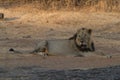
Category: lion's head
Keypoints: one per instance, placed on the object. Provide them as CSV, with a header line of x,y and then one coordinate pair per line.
x,y
83,38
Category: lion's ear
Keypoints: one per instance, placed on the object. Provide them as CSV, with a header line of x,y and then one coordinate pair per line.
x,y
90,31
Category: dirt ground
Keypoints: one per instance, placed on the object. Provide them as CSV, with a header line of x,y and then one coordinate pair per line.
x,y
22,29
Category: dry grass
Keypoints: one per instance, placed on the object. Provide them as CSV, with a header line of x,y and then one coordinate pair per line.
x,y
94,5
30,21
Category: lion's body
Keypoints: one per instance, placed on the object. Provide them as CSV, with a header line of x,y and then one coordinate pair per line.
x,y
80,42
62,47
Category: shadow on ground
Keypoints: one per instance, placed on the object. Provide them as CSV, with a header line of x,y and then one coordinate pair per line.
x,y
38,73
11,19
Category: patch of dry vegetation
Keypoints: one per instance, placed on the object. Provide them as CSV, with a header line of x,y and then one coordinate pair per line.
x,y
96,5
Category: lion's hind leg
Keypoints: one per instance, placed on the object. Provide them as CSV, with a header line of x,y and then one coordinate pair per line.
x,y
41,48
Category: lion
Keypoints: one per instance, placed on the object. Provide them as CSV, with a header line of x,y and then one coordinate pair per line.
x,y
81,41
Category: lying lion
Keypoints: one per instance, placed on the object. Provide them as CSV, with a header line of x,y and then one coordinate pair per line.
x,y
81,41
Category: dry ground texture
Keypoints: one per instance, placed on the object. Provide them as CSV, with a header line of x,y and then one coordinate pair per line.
x,y
23,27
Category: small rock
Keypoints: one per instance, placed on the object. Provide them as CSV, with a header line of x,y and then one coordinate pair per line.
x,y
28,36
1,16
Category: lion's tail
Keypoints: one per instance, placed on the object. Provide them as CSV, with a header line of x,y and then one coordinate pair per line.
x,y
15,51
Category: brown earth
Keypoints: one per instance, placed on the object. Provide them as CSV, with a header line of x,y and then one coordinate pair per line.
x,y
23,28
